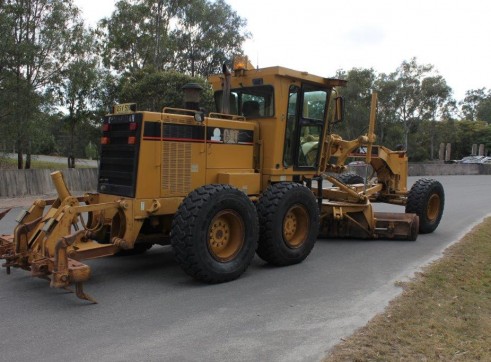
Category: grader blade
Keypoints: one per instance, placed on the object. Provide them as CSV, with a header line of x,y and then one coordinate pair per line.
x,y
397,226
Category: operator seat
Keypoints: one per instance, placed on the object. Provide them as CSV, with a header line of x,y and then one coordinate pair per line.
x,y
250,109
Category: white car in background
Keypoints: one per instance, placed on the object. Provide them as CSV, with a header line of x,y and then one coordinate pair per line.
x,y
471,159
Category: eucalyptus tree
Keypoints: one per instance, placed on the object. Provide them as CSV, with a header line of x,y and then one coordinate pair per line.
x,y
407,100
205,35
417,93
436,104
39,37
77,90
358,94
388,129
135,36
469,133
145,88
6,75
192,36
484,109
477,105
412,94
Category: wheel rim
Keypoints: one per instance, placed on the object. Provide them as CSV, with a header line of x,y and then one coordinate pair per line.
x,y
226,235
296,226
433,208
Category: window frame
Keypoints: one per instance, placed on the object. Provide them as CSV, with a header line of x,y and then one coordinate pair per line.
x,y
291,154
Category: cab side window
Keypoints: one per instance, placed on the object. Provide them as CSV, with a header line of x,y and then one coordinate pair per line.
x,y
291,125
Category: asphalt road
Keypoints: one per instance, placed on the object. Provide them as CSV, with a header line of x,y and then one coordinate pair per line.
x,y
149,310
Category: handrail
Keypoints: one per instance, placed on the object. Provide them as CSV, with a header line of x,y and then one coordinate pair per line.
x,y
226,116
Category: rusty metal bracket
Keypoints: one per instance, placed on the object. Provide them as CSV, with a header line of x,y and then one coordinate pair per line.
x,y
66,270
8,262
6,245
60,268
40,268
21,234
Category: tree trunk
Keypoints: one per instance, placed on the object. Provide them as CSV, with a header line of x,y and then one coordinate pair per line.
x,y
432,140
71,161
432,147
192,62
71,158
406,135
28,160
20,160
27,165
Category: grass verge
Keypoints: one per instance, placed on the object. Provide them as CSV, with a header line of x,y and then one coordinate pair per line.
x,y
11,164
444,313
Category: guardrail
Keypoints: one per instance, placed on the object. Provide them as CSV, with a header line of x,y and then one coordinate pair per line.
x,y
446,169
19,183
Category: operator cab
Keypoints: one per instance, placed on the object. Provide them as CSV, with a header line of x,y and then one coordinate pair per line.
x,y
290,111
305,115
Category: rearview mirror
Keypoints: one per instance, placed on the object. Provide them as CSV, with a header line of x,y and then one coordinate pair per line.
x,y
338,110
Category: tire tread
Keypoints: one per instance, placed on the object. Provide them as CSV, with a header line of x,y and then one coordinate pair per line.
x,y
417,202
267,207
183,240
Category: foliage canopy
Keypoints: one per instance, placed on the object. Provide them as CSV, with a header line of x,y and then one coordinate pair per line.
x,y
58,77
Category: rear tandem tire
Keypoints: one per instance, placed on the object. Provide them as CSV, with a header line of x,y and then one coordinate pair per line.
x,y
426,199
350,178
214,233
289,223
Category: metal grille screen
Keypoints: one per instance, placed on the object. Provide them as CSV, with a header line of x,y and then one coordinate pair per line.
x,y
176,168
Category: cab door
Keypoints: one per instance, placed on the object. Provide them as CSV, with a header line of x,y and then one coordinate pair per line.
x,y
307,106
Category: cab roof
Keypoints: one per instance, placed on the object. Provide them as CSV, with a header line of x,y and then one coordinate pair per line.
x,y
283,72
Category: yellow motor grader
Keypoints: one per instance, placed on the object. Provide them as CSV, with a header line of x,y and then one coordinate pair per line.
x,y
223,186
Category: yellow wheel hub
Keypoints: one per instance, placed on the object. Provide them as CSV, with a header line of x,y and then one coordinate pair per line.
x,y
433,208
226,235
296,226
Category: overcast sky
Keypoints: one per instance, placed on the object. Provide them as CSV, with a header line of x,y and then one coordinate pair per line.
x,y
322,36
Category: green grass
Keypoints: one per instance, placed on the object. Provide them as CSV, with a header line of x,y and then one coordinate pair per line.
x,y
11,164
443,314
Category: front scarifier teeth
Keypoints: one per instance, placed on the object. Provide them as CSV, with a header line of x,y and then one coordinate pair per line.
x,y
79,291
67,270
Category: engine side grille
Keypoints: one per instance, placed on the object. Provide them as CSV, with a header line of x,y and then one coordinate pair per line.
x,y
176,168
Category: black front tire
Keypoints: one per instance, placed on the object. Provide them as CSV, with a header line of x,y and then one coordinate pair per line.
x,y
214,233
427,200
289,223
